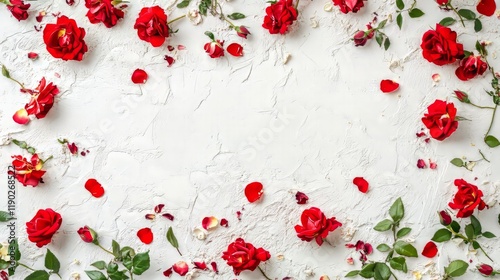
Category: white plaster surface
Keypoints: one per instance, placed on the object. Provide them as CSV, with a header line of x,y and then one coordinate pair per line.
x,y
196,133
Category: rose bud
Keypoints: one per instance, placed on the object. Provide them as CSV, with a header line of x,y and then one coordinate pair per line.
x,y
242,31
88,235
462,96
485,270
444,218
442,2
360,38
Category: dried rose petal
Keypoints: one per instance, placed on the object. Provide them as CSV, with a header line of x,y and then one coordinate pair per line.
x,y
145,235
21,116
170,60
420,134
361,183
181,47
181,268
73,149
254,191
224,222
301,198
158,208
167,272
209,223
32,55
486,7
150,217
200,265
170,48
235,49
432,164
70,2
324,277
139,76
421,164
40,16
94,188
238,215
350,261
168,216
388,86
214,267
436,78
430,250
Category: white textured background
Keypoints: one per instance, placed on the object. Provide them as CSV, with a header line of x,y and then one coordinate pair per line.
x,y
198,132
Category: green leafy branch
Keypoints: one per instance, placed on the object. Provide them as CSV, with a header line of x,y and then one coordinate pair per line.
x,y
469,165
456,268
413,12
463,15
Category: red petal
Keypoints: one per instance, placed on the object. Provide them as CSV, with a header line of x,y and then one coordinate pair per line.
x,y
224,222
139,76
421,164
235,49
200,265
181,268
361,183
145,235
301,198
94,188
387,86
486,7
209,223
238,215
420,134
430,250
432,164
167,272
158,208
170,48
214,267
170,60
168,216
254,191
21,116
32,55
181,47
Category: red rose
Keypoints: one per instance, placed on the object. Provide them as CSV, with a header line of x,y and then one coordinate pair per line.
x,y
64,39
315,225
43,226
440,46
152,25
440,119
347,6
244,256
485,269
88,235
215,49
42,100
4,275
103,11
442,2
467,199
361,37
28,173
471,67
242,31
18,9
279,16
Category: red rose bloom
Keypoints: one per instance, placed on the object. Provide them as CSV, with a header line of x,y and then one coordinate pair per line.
x,y
471,67
467,199
28,173
88,235
347,6
152,25
361,37
279,16
103,11
440,46
42,100
18,9
244,256
64,39
485,269
440,119
215,49
442,2
315,225
43,226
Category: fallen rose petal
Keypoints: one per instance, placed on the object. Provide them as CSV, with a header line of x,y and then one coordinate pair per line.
x,y
421,164
350,261
139,76
238,215
430,250
209,223
436,78
167,272
214,267
181,268
388,86
158,208
224,222
40,16
324,277
94,187
420,134
145,235
32,55
235,49
168,216
432,164
254,191
150,217
21,116
170,48
200,265
181,47
170,60
361,183
73,148
200,233
486,7
301,198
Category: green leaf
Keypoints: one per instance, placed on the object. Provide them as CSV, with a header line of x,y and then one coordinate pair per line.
x,y
210,35
379,38
31,150
20,144
99,265
469,231
387,43
491,141
455,226
236,16
38,275
457,162
468,14
383,247
397,210
403,232
488,234
475,245
382,24
367,270
5,72
399,263
385,225
118,275
183,4
478,25
127,252
441,235
399,20
381,272
456,268
116,249
400,4
95,275
352,273
405,249
415,13
4,264
476,224
51,262
171,238
141,263
5,216
447,21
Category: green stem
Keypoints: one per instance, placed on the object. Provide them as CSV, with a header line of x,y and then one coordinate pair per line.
x,y
179,251
394,275
456,12
483,156
484,252
263,273
23,265
492,119
297,5
481,107
176,19
131,275
222,15
105,250
19,83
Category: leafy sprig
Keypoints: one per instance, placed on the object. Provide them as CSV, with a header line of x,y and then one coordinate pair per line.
x,y
413,12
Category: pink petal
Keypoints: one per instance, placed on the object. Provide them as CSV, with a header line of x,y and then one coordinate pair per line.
x,y
158,208
21,116
200,265
432,164
139,76
145,235
181,47
181,268
209,223
254,191
388,86
430,250
168,216
301,198
421,164
235,49
224,222
436,78
361,183
94,188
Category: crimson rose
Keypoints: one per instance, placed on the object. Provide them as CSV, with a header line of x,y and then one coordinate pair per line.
x,y
28,173
43,226
103,11
440,119
280,15
18,9
471,67
440,46
467,199
244,256
215,48
347,6
64,39
315,225
152,25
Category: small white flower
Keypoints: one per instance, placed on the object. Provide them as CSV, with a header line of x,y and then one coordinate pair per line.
x,y
194,17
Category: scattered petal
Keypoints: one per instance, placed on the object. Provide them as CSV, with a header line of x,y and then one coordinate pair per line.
x,y
235,49
350,261
214,267
170,60
181,47
167,272
361,183
21,116
32,55
254,191
388,86
170,48
324,277
94,188
421,164
432,164
430,250
224,222
301,197
436,78
238,215
40,16
420,134
181,268
168,216
200,233
486,7
200,265
158,208
139,76
209,223
145,235
151,217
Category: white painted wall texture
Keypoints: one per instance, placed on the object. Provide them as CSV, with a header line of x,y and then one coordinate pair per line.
x,y
196,133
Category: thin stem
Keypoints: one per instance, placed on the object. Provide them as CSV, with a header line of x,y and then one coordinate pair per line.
x,y
131,275
480,247
107,251
394,275
492,119
222,15
456,12
23,265
176,19
483,156
58,275
481,107
179,251
263,273
297,4
19,83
